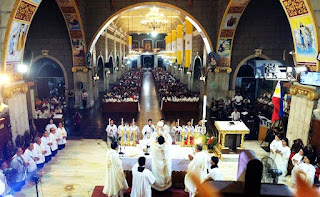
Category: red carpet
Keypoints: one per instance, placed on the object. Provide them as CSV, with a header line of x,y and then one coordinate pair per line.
x,y
171,192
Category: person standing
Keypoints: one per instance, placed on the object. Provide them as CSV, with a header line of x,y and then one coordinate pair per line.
x,y
20,167
306,170
70,99
238,101
142,179
282,157
39,152
77,123
112,132
30,161
148,130
115,181
61,134
235,115
45,142
189,128
84,98
274,146
134,128
176,132
54,141
50,125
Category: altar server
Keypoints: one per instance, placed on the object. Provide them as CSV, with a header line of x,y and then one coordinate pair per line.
x,y
30,161
111,131
214,171
123,127
189,128
148,130
306,170
54,141
200,129
160,131
282,157
39,152
297,158
46,143
198,167
274,146
50,125
161,164
165,127
61,133
142,180
176,132
134,128
115,181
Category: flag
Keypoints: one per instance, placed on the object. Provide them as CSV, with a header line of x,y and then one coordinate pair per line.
x,y
277,102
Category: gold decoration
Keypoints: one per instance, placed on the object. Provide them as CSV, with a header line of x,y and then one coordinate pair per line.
x,y
122,135
134,138
227,69
9,91
311,94
188,136
128,137
182,138
79,68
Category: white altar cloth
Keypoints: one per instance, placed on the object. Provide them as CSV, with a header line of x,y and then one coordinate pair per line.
x,y
236,126
179,155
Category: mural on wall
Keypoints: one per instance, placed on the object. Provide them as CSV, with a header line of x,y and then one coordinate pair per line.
x,y
147,45
227,30
304,32
161,44
135,44
15,38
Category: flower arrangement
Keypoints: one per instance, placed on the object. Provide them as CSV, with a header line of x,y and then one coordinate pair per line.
x,y
211,141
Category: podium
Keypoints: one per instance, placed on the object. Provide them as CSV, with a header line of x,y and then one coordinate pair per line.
x,y
229,127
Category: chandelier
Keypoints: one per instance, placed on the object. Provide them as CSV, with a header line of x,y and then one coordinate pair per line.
x,y
154,19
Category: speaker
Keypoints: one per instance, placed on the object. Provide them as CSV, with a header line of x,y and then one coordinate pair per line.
x,y
80,85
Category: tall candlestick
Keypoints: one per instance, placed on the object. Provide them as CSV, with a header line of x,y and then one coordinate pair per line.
x,y
122,121
204,110
178,122
191,122
109,120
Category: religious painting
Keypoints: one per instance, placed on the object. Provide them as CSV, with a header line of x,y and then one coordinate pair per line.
x,y
147,45
73,21
224,48
135,44
25,11
78,47
231,21
161,44
305,38
295,7
18,35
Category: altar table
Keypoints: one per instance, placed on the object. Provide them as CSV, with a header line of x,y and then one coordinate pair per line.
x,y
229,127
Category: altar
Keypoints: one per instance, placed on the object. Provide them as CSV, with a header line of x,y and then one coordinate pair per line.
x,y
229,127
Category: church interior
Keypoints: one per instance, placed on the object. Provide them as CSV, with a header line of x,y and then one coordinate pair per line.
x,y
159,98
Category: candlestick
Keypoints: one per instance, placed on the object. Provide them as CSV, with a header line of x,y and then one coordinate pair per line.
x,y
178,122
182,137
122,135
134,138
128,137
204,110
188,136
122,121
191,122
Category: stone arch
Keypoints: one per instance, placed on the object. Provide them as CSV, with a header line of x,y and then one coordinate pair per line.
x,y
197,57
235,73
100,57
188,17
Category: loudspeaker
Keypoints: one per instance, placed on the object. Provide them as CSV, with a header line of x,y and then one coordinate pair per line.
x,y
80,85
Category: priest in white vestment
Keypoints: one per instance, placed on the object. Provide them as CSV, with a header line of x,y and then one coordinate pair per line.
x,y
62,134
148,130
115,182
50,125
161,164
176,132
282,157
306,170
142,179
45,144
274,146
134,128
198,167
165,127
39,152
161,131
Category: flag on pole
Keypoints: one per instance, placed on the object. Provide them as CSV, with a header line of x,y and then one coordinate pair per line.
x,y
277,102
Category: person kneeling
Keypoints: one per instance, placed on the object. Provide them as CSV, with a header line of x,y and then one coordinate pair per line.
x,y
142,180
214,172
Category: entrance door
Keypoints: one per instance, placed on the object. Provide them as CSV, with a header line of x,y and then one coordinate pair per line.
x,y
147,61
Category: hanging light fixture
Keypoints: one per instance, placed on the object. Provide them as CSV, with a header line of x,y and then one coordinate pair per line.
x,y
154,20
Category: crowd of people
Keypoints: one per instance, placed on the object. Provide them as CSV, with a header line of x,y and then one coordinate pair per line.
x,y
47,108
126,89
171,89
159,176
27,163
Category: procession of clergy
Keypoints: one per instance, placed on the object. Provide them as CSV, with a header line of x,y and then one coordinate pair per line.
x,y
159,138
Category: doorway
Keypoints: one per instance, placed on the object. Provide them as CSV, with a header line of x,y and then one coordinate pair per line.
x,y
147,61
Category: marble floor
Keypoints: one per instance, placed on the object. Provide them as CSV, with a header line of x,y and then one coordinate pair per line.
x,y
77,169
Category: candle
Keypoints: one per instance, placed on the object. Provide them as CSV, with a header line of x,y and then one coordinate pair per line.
x,y
191,122
109,120
122,121
178,122
204,110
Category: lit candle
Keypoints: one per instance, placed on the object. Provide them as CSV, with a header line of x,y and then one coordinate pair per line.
x,y
109,120
178,122
122,121
191,122
204,110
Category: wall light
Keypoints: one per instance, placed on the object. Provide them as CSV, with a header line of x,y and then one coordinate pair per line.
x,y
22,68
4,78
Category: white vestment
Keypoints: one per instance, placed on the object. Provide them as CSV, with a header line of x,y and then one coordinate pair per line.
x,y
112,131
53,140
147,131
28,157
274,147
141,182
161,165
37,152
198,166
49,126
282,160
214,174
189,129
200,130
115,179
136,129
176,133
122,128
44,143
298,159
309,169
61,132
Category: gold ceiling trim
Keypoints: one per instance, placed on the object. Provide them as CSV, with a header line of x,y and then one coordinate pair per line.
x,y
79,68
9,91
310,93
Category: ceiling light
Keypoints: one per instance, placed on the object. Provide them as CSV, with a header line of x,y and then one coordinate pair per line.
x,y
22,68
154,33
4,78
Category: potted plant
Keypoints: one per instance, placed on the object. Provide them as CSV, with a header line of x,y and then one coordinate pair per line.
x,y
211,142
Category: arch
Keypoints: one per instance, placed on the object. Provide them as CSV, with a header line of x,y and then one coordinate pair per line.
x,y
100,67
242,63
188,17
19,23
194,63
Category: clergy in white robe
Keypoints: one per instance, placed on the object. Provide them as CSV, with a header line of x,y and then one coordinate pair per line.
x,y
62,134
274,146
161,164
189,128
214,172
39,152
306,170
297,158
160,131
176,132
54,140
50,125
148,129
134,128
5,186
115,182
282,157
198,167
112,132
30,161
142,179
122,128
165,127
45,142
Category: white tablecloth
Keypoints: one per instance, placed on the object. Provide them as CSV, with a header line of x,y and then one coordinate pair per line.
x,y
237,126
179,155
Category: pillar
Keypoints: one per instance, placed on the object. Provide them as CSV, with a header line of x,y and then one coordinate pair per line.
x,y
174,44
130,43
169,36
188,44
105,79
179,43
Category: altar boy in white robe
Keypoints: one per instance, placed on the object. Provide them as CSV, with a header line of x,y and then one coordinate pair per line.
x,y
282,157
274,146
165,127
306,170
199,129
189,128
115,182
111,132
198,167
176,132
161,164
148,130
45,143
142,180
39,152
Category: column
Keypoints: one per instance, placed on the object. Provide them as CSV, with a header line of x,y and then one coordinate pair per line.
x,y
169,45
188,44
179,43
130,43
115,48
106,46
174,44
